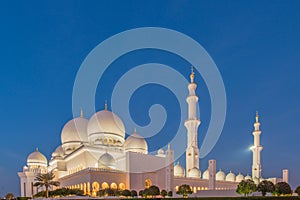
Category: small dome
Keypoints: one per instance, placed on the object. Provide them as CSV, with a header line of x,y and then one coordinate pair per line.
x,y
220,176
107,122
160,152
248,177
136,143
74,133
59,152
194,173
37,158
239,178
107,161
178,170
230,177
205,174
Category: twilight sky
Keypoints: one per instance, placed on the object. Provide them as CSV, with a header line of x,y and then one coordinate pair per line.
x,y
255,45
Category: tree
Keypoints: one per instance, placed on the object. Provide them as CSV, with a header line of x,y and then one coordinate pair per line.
x,y
163,193
46,180
282,188
9,196
170,194
265,186
246,187
126,193
184,190
298,190
133,193
153,190
145,192
141,193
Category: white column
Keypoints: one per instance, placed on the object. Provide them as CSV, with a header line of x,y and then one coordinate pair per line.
x,y
192,124
212,174
285,175
169,169
256,150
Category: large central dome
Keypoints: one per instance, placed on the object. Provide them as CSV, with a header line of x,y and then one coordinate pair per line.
x,y
105,127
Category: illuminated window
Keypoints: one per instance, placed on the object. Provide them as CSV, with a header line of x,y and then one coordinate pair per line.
x,y
113,186
104,185
122,186
148,183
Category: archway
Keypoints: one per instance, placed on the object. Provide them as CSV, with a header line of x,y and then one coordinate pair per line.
x,y
104,185
113,186
122,186
95,188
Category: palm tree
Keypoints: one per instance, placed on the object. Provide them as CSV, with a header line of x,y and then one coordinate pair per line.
x,y
46,180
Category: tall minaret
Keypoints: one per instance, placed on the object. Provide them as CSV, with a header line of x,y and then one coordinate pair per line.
x,y
191,124
256,149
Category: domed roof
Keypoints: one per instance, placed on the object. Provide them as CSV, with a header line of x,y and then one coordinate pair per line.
x,y
136,143
248,177
37,158
75,130
230,177
178,170
107,161
194,173
239,178
220,176
105,121
59,152
205,174
160,152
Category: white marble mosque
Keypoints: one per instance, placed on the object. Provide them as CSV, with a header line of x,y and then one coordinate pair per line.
x,y
95,155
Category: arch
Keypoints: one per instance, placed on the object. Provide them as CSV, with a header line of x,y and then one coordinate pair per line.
x,y
110,141
122,186
84,189
176,188
95,188
88,188
104,185
105,141
148,183
113,186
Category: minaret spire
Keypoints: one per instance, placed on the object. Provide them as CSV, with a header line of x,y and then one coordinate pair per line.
x,y
256,150
192,76
81,113
192,124
105,105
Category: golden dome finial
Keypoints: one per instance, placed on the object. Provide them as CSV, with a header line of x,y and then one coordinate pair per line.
x,y
256,117
36,149
192,76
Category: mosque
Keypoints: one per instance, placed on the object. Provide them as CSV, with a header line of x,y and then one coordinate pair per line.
x,y
95,155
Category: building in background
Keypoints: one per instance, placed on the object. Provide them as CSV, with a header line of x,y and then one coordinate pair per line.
x,y
95,155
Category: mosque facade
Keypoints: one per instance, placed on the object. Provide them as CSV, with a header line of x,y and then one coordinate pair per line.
x,y
95,155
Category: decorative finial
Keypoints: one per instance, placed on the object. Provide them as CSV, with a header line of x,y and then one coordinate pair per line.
x,y
169,146
37,149
105,105
256,117
192,76
81,113
134,130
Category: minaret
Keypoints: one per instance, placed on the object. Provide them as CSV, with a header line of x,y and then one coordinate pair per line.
x,y
256,149
191,124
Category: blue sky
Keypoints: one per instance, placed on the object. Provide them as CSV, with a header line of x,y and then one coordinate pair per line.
x,y
255,45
